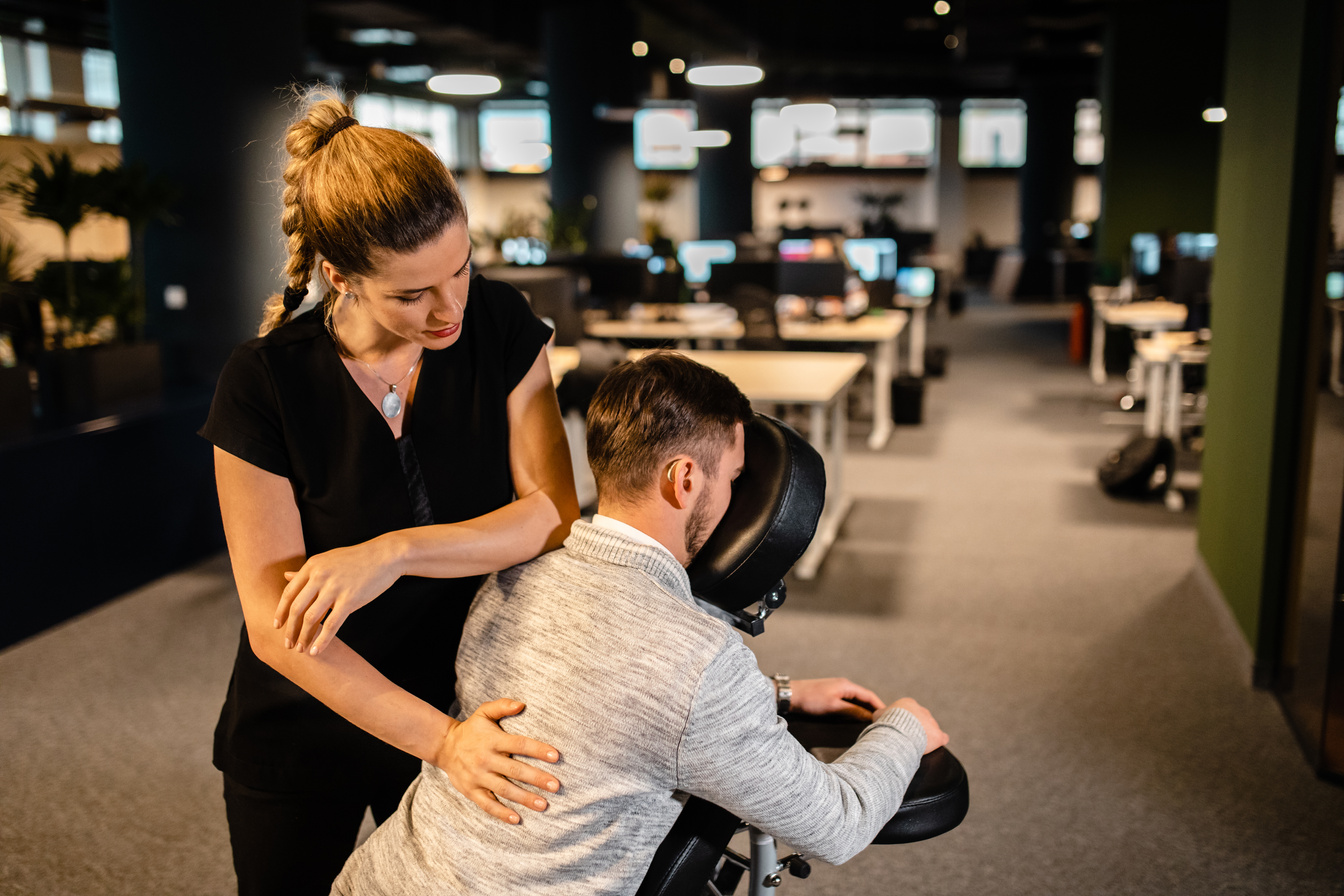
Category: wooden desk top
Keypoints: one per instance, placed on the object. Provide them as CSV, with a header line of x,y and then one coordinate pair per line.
x,y
802,377
664,329
1144,315
869,328
563,358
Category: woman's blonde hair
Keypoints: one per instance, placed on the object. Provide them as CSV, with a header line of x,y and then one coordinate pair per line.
x,y
351,191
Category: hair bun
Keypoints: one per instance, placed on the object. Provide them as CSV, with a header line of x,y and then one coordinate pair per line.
x,y
339,125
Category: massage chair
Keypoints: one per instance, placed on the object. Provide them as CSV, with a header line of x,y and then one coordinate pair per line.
x,y
738,575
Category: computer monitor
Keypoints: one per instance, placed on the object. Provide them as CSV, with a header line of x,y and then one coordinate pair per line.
x,y
795,249
812,278
1196,245
917,283
1146,250
724,277
616,278
696,256
873,258
1334,284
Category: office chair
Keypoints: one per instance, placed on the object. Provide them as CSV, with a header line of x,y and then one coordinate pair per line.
x,y
776,504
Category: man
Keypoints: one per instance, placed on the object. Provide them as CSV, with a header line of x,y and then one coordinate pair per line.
x,y
647,695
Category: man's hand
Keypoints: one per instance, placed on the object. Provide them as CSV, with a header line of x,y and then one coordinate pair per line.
x,y
820,696
937,736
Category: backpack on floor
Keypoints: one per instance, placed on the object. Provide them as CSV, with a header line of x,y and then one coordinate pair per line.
x,y
1139,469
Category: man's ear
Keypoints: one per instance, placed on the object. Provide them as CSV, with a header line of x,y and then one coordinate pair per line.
x,y
680,481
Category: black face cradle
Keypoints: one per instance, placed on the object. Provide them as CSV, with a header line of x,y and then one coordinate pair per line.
x,y
773,515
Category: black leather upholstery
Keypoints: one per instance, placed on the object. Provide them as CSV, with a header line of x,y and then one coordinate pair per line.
x,y
769,523
686,858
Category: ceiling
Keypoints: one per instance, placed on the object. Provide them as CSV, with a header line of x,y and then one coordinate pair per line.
x,y
836,48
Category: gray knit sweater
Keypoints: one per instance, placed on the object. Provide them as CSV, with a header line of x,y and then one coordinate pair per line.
x,y
646,696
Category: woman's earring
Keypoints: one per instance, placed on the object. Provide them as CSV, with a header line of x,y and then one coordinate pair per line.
x,y
348,296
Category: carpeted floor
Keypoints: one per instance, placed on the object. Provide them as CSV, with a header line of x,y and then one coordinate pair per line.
x,y
1098,699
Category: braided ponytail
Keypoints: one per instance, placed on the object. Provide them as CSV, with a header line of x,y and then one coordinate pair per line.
x,y
351,191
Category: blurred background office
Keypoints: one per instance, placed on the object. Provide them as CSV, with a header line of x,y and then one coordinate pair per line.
x,y
1085,259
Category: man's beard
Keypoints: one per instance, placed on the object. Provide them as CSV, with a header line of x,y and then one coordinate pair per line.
x,y
697,526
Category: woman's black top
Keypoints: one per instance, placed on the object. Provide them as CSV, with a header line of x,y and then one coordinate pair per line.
x,y
287,404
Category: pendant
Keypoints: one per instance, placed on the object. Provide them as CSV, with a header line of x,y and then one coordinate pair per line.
x,y
391,403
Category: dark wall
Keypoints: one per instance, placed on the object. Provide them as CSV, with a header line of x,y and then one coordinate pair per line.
x,y
1164,66
203,102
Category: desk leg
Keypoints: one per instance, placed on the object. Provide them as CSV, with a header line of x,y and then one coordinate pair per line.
x,y
884,368
917,337
1171,428
1153,394
837,501
1098,348
1336,349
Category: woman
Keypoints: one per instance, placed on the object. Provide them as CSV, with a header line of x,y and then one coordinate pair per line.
x,y
381,453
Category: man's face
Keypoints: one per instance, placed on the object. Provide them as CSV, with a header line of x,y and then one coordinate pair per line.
x,y
713,501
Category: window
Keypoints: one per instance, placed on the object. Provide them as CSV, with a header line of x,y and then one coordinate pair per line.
x,y
993,133
100,79
515,136
37,63
106,131
434,124
1088,144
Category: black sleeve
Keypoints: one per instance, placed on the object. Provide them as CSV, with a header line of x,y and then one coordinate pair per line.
x,y
244,416
521,333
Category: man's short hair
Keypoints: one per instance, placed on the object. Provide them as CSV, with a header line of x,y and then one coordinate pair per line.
x,y
659,406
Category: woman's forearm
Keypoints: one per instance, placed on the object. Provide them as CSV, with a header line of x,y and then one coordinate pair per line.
x,y
502,538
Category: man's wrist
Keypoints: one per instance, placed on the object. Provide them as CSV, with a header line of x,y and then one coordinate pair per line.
x,y
783,693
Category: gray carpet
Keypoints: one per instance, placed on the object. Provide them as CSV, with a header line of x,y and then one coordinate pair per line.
x,y
1098,700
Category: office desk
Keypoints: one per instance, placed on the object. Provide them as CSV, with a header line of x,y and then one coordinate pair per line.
x,y
1164,357
881,331
563,358
918,307
1143,317
819,380
703,323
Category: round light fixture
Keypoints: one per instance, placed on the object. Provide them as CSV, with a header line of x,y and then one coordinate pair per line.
x,y
1215,114
639,48
710,139
724,75
676,66
942,7
464,84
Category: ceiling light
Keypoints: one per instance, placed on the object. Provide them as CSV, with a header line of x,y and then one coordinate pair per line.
x,y
1215,114
942,7
639,48
709,139
676,66
372,37
724,75
951,41
465,85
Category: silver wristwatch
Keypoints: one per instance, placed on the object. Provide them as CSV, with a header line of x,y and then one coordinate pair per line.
x,y
783,693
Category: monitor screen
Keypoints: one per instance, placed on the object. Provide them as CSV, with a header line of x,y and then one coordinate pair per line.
x,y
726,277
812,278
614,277
1334,285
1196,245
514,138
663,139
872,258
1147,252
795,250
697,255
915,282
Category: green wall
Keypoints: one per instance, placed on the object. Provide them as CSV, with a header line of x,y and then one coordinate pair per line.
x,y
1246,506
1164,66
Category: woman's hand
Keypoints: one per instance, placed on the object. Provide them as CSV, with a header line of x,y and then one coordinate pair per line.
x,y
819,696
478,756
336,582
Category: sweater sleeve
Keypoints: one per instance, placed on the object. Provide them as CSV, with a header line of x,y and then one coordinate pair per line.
x,y
737,753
